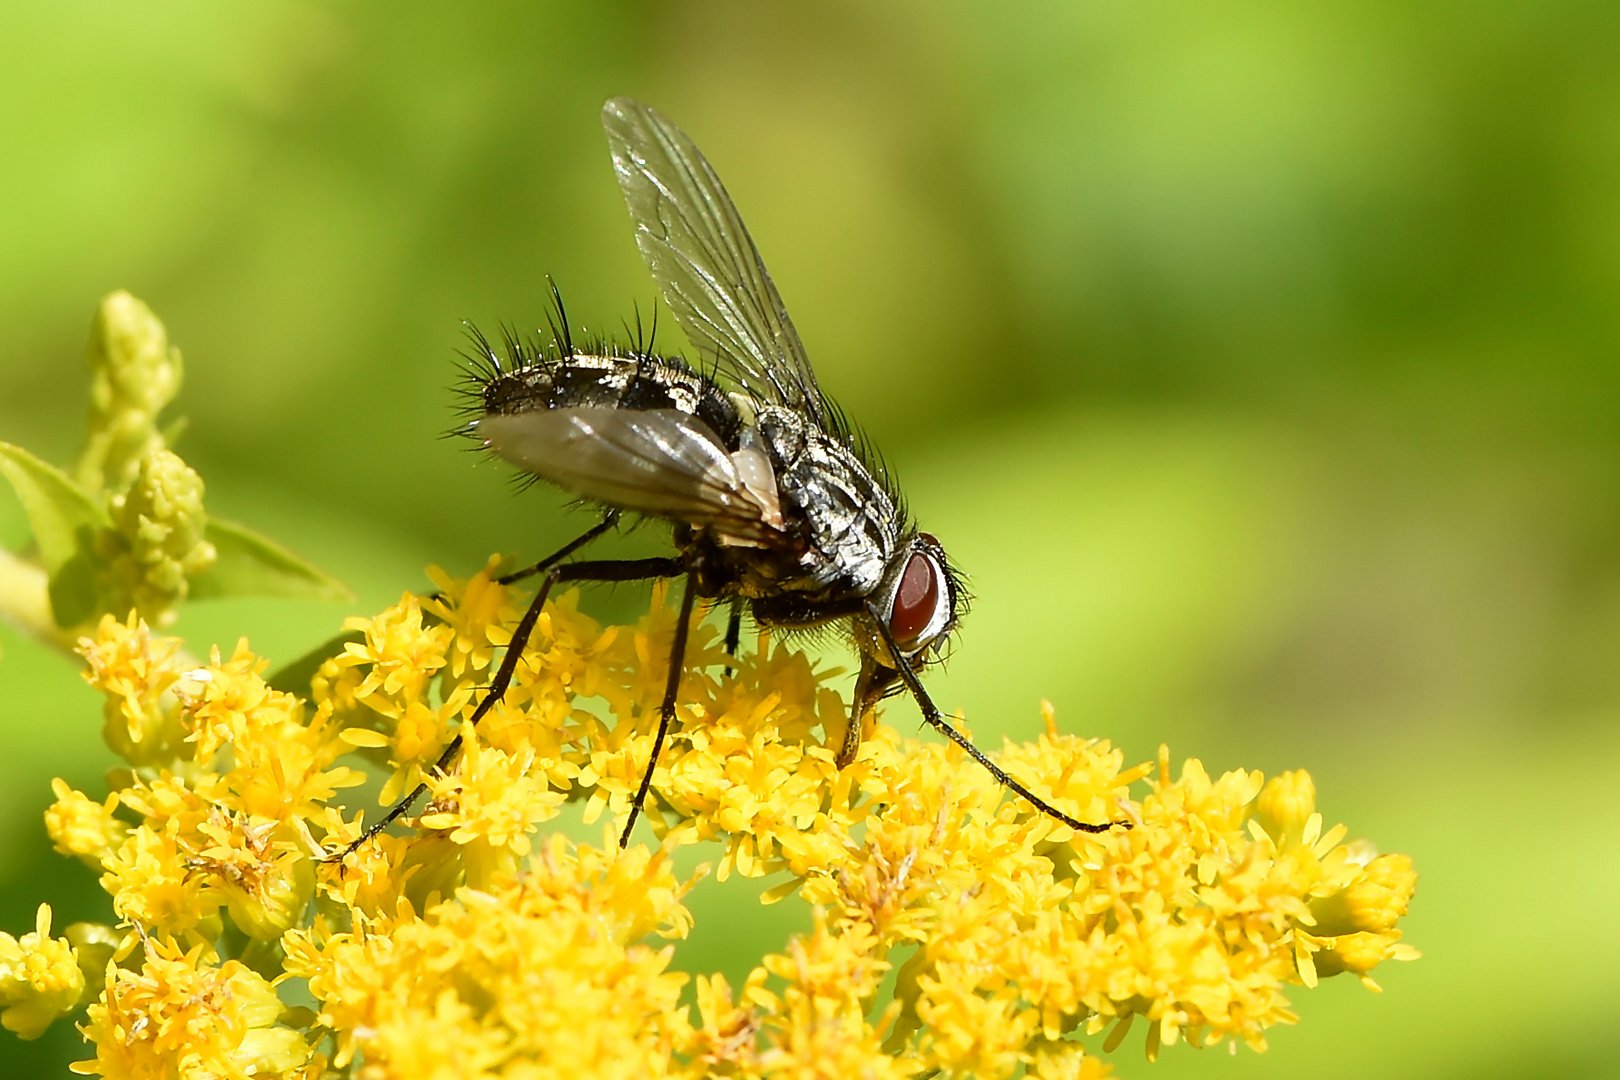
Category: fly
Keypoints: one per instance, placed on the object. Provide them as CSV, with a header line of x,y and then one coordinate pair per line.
x,y
777,504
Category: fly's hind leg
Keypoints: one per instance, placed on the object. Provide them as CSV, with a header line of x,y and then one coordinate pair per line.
x,y
497,689
666,714
733,633
609,519
604,570
294,677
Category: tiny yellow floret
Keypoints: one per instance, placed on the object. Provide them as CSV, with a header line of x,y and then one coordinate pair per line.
x,y
39,978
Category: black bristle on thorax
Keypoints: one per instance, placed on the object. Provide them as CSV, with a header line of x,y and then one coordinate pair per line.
x,y
854,438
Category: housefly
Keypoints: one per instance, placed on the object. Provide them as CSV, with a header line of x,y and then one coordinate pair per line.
x,y
778,505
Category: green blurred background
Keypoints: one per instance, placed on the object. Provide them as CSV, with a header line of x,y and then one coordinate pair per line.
x,y
1258,360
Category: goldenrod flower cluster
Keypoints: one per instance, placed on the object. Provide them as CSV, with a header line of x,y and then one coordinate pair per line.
x,y
957,931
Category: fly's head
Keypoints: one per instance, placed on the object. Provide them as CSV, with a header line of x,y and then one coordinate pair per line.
x,y
921,600
916,606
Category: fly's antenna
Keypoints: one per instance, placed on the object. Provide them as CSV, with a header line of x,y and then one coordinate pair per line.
x,y
559,325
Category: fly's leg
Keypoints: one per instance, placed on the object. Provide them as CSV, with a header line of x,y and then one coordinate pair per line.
x,y
497,689
294,677
677,660
936,720
733,633
604,570
608,521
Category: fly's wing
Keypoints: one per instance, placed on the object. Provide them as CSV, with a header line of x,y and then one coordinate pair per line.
x,y
704,261
654,461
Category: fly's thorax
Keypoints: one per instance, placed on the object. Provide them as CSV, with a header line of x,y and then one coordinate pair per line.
x,y
848,522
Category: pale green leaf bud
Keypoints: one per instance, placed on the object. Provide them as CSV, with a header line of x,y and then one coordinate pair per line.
x,y
134,374
157,541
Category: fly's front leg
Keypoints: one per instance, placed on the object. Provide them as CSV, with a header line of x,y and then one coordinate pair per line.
x,y
936,720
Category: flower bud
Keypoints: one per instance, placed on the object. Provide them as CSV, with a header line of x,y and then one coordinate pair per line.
x,y
1375,901
1285,805
94,946
157,541
81,827
133,375
40,979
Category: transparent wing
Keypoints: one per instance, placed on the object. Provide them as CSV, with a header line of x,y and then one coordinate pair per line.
x,y
703,259
652,461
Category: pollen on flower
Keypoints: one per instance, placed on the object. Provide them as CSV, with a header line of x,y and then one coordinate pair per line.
x,y
474,942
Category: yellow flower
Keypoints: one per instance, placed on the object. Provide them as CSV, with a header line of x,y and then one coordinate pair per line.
x,y
478,945
260,868
726,1040
540,976
186,1016
476,611
39,978
1374,900
152,882
1361,952
1068,1061
400,656
747,769
817,1026
82,827
490,805
282,764
135,669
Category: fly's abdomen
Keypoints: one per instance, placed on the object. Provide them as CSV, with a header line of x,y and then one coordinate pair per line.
x,y
631,431
636,382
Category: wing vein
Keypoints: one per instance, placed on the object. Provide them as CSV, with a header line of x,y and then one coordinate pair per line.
x,y
704,261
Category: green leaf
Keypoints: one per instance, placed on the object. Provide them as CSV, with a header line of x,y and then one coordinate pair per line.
x,y
250,564
295,677
75,592
61,513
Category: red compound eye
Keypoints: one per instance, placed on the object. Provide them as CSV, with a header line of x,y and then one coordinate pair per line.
x,y
916,600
